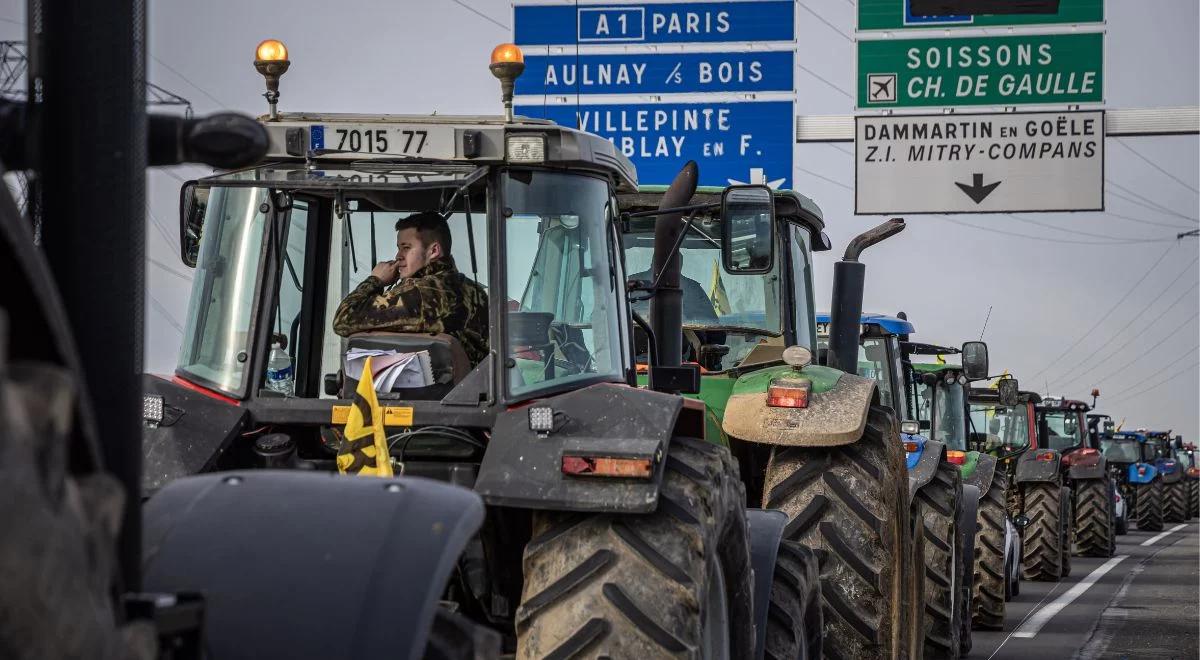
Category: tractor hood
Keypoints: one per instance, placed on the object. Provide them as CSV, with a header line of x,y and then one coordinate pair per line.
x,y
836,412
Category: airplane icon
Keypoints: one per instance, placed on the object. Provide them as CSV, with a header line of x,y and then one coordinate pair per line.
x,y
881,88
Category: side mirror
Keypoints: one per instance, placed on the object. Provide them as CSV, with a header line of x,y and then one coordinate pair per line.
x,y
748,229
193,202
975,360
1009,393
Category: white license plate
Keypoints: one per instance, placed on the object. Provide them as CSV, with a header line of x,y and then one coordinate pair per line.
x,y
381,140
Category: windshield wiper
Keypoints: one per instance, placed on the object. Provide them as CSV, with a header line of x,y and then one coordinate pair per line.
x,y
746,330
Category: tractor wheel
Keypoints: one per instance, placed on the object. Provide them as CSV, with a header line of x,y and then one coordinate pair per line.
x,y
991,569
455,637
673,583
1175,502
1093,518
794,612
1193,498
1149,509
941,498
849,504
1044,535
1067,516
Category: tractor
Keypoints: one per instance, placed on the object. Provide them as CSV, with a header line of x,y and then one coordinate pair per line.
x,y
939,398
1175,487
803,433
1186,455
935,478
1101,428
1131,459
1038,501
614,524
1062,425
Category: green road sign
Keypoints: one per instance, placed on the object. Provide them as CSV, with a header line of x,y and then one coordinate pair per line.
x,y
898,14
1048,69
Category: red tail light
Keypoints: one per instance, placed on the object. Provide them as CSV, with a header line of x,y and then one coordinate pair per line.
x,y
1044,456
956,457
605,466
789,393
1193,472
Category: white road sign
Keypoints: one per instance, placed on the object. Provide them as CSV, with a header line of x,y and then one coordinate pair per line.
x,y
979,163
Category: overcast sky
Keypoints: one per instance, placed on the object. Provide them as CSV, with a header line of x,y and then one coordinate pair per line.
x,y
1054,282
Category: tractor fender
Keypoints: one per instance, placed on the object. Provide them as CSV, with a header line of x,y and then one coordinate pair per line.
x,y
524,468
1170,473
196,430
981,476
1030,469
766,532
297,564
927,465
836,414
1093,466
1141,473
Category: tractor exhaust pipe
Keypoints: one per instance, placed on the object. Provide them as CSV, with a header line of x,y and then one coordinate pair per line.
x,y
666,307
849,274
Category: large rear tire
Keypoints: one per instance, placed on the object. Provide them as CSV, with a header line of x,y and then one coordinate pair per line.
x,y
1093,518
942,547
1149,508
794,612
850,505
1193,498
1044,534
675,583
991,571
1175,500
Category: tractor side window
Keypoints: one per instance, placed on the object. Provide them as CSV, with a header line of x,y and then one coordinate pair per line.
x,y
1002,427
563,314
1065,432
291,281
873,363
217,332
802,295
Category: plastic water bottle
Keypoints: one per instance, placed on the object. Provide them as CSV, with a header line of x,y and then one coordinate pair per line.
x,y
279,371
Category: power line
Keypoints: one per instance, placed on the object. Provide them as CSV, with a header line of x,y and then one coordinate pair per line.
x,y
1045,239
1156,166
1144,353
478,13
165,314
1147,202
822,19
1145,222
823,177
187,80
182,276
1131,322
1155,387
1077,232
818,76
1104,316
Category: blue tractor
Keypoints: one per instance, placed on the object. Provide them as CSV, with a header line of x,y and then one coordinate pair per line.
x,y
1132,457
1175,487
935,480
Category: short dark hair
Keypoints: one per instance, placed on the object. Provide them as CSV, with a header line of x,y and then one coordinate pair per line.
x,y
430,226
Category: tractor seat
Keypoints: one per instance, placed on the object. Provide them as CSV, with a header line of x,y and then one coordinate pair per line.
x,y
448,361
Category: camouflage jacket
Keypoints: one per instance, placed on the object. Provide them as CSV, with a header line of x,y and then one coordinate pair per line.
x,y
436,298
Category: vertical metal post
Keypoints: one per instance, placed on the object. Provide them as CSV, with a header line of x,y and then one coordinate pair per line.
x,y
88,70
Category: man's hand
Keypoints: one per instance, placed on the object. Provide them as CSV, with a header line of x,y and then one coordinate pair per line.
x,y
387,272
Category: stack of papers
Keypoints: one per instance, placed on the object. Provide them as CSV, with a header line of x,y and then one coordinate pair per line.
x,y
390,369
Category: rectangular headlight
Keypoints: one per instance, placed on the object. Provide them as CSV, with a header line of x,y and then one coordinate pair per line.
x,y
152,409
525,148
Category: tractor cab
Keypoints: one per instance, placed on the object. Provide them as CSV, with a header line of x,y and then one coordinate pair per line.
x,y
1062,424
999,429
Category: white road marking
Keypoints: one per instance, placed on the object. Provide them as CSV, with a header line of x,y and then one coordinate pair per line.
x,y
1033,624
1154,539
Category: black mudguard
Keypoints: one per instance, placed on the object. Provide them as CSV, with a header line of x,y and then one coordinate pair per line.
x,y
523,469
1172,477
1098,470
981,478
296,564
766,531
196,430
1029,469
922,473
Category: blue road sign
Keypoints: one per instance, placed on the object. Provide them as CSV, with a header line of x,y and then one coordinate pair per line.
x,y
745,142
657,73
655,23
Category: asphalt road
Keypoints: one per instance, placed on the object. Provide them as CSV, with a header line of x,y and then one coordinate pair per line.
x,y
1141,603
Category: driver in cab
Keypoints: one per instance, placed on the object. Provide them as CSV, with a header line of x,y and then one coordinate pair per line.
x,y
427,292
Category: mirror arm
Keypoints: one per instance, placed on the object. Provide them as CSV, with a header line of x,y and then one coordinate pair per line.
x,y
651,344
693,208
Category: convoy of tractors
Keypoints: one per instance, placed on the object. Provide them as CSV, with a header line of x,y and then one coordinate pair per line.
x,y
665,452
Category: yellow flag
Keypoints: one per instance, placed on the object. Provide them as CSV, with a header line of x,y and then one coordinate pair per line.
x,y
1121,424
940,359
717,294
996,383
365,450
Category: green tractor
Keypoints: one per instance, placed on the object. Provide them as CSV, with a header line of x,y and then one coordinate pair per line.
x,y
811,439
614,525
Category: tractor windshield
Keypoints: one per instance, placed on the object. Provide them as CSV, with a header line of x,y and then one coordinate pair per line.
x,y
1120,450
217,333
724,315
1002,429
565,320
949,415
1064,429
1184,459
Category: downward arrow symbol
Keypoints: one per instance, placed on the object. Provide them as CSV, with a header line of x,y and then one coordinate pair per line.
x,y
977,191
